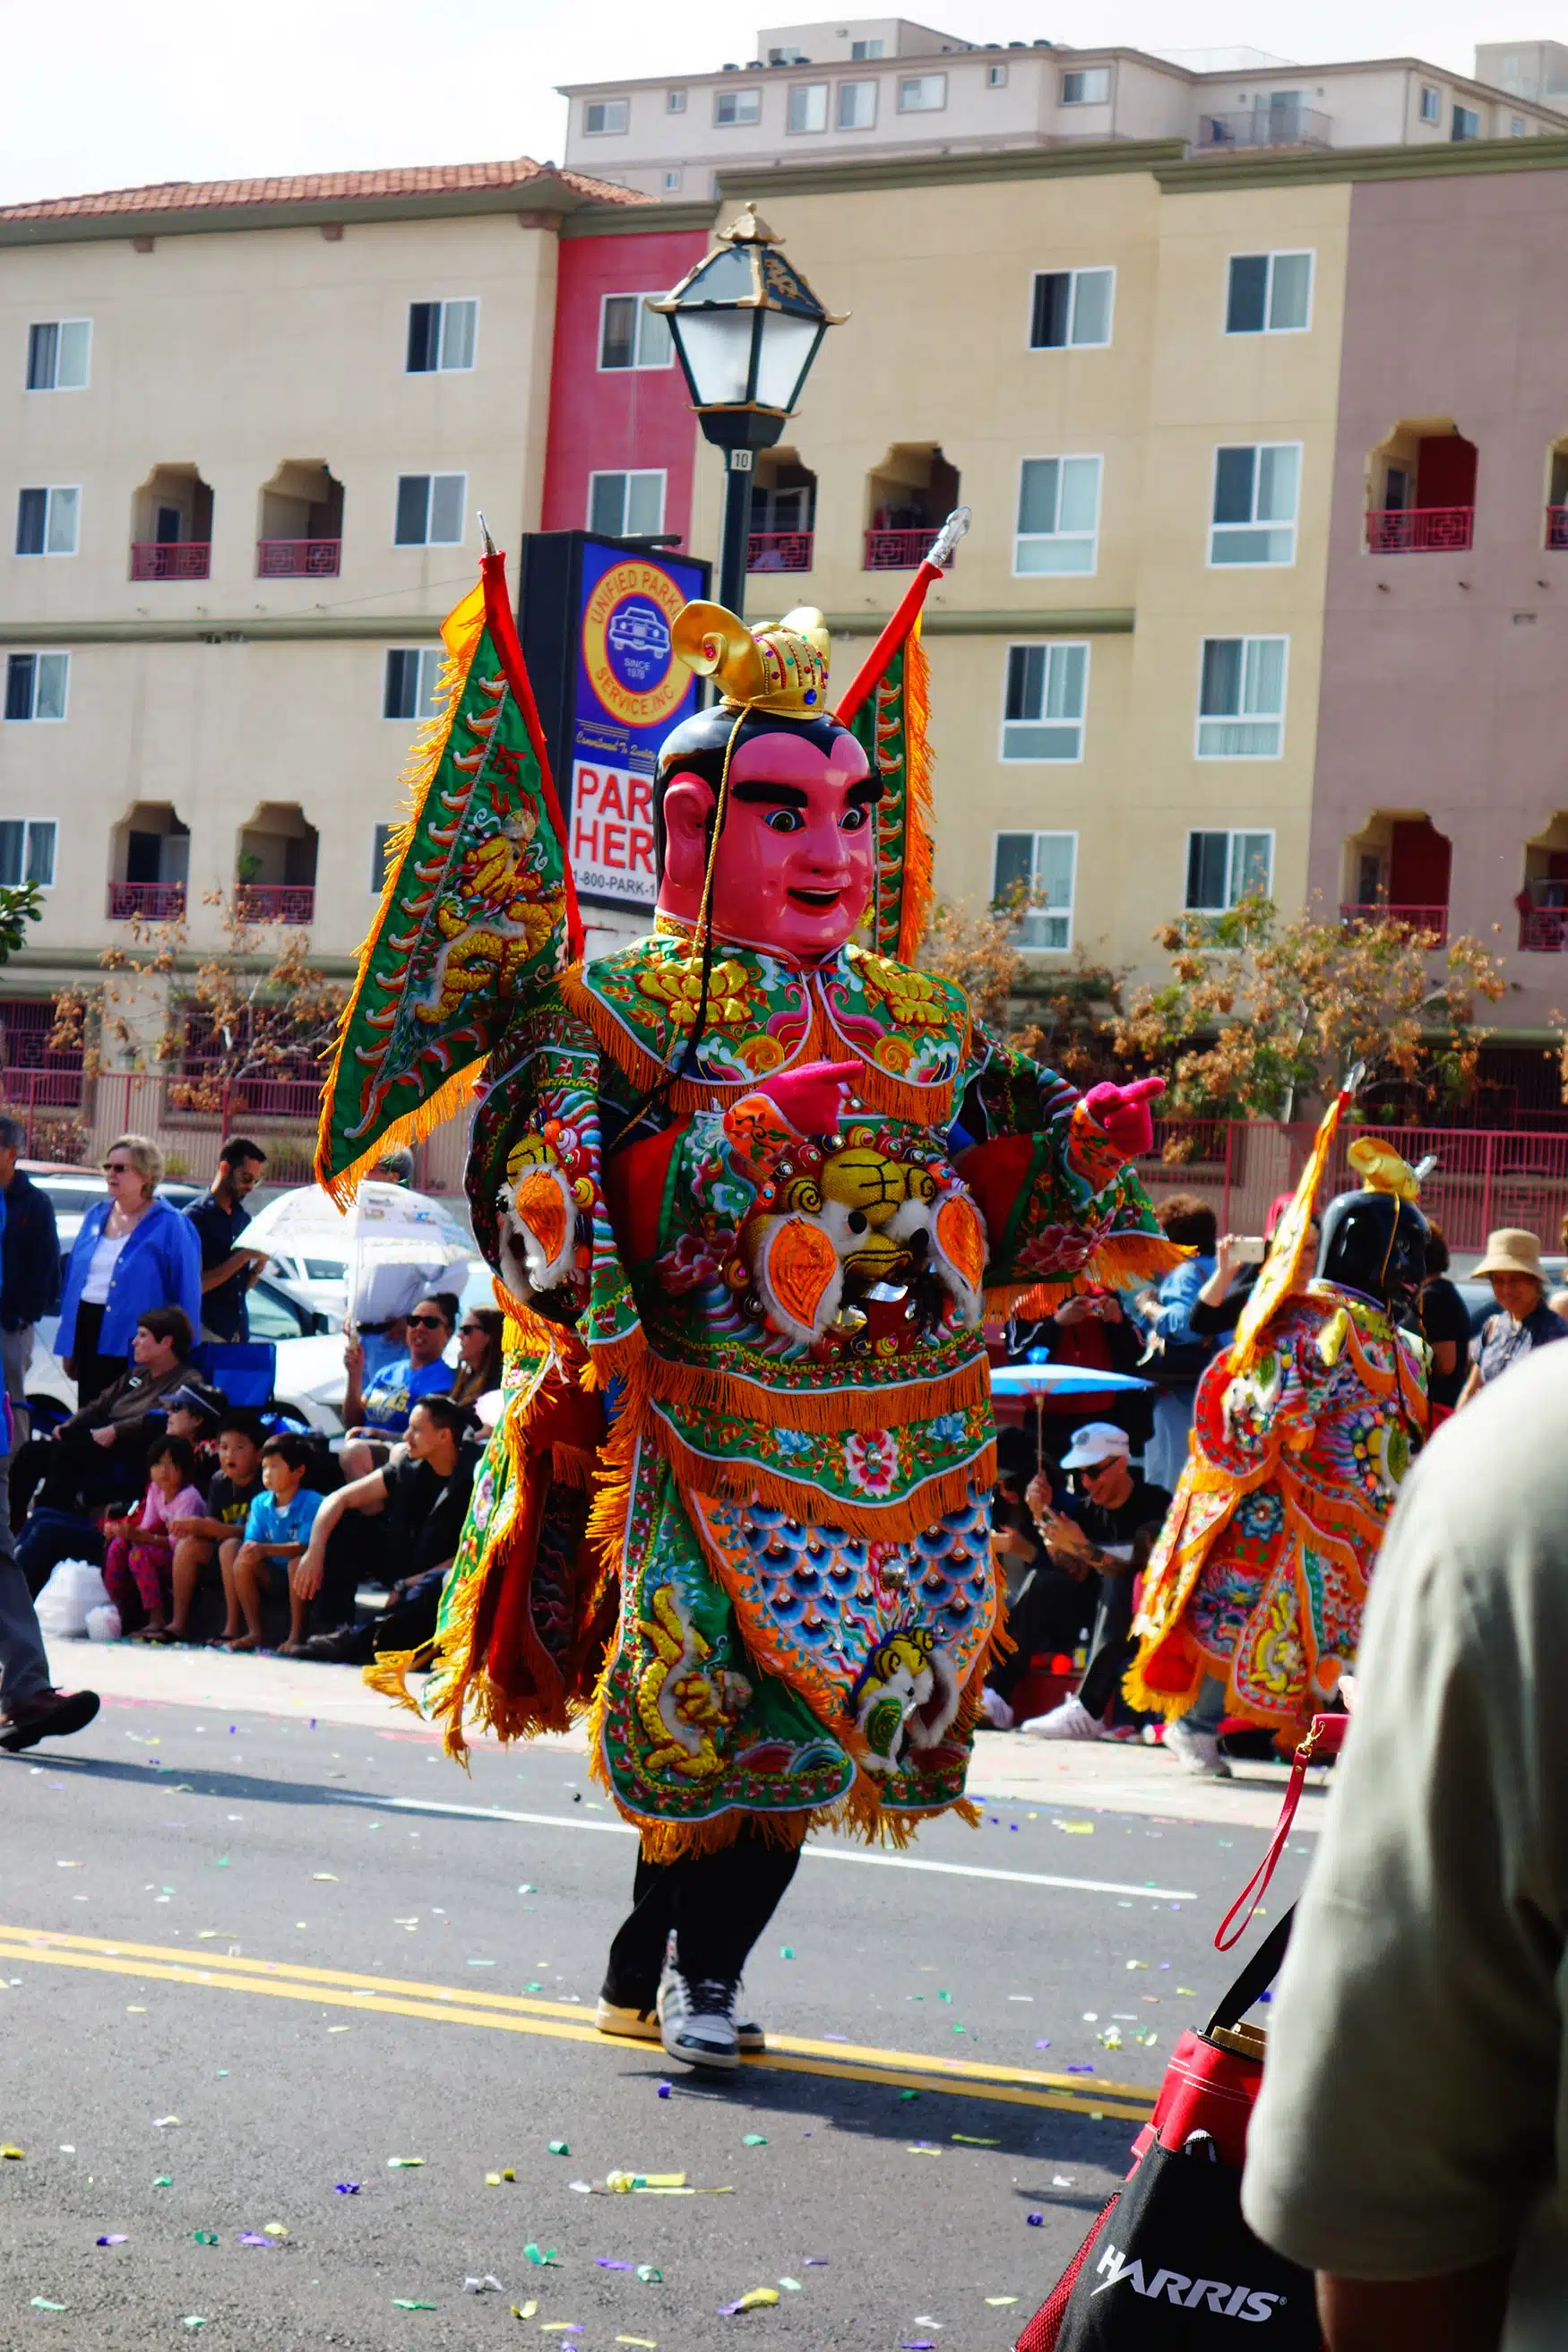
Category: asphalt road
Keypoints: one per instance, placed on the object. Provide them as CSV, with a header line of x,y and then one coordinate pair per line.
x,y
429,1996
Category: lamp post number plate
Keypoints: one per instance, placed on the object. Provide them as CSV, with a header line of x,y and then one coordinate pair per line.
x,y
739,461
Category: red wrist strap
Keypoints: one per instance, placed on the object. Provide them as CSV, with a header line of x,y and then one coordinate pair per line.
x,y
1325,1738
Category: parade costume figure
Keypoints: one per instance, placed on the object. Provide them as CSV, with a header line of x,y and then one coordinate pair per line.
x,y
748,1188
1303,1435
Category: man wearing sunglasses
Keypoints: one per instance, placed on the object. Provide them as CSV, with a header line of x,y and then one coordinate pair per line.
x,y
377,1412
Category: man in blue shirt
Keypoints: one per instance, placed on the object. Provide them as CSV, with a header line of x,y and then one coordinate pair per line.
x,y
378,1412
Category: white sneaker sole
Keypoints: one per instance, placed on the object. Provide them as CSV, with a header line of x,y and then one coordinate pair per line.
x,y
642,2025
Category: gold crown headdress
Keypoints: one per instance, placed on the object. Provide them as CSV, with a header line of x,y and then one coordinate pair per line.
x,y
779,667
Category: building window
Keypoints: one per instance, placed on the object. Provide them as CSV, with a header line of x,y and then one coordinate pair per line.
x,y
36,685
995,77
26,852
380,840
1046,687
58,350
631,335
1241,699
808,106
856,105
430,509
1058,515
440,336
1271,294
922,93
1222,868
1466,123
871,48
1516,126
408,689
672,181
1034,873
1255,497
604,117
626,506
675,101
733,108
1071,306
1089,86
46,521
1431,104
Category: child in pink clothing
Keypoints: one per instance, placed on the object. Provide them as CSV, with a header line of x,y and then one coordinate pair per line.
x,y
141,1550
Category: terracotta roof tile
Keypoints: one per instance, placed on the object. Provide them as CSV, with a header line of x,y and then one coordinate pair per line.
x,y
314,187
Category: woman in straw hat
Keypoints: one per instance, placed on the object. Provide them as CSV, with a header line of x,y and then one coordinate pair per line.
x,y
1512,1263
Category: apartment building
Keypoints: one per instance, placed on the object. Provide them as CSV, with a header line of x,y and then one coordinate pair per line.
x,y
883,87
247,428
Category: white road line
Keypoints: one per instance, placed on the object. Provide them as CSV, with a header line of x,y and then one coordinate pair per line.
x,y
816,1853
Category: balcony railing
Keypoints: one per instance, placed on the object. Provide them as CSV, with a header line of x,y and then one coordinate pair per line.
x,y
181,559
1557,526
298,559
275,902
1261,126
900,551
146,902
1418,531
779,550
1420,918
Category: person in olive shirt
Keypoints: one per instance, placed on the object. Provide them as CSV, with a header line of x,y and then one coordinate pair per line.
x,y
415,1507
220,1216
1119,1516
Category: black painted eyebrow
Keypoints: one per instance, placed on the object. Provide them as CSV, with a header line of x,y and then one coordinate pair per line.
x,y
770,794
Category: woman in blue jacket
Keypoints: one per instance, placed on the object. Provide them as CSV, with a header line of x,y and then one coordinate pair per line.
x,y
133,1252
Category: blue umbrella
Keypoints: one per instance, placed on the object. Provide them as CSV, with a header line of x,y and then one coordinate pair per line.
x,y
1058,1380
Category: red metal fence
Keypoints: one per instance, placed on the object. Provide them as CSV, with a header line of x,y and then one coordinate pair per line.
x,y
275,902
899,551
298,559
1419,530
183,558
147,902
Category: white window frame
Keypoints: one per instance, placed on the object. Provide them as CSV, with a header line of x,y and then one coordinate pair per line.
x,y
1039,910
1233,834
1082,73
675,101
380,841
1088,270
30,825
607,130
1051,647
628,474
60,326
1075,538
430,480
996,77
644,324
672,181
1309,253
740,122
794,129
910,81
441,304
1471,114
430,658
866,52
36,654
51,491
1294,526
1431,106
1243,718
856,82
1516,126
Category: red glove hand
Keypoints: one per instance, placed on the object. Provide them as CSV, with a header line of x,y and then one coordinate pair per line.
x,y
812,1098
1123,1113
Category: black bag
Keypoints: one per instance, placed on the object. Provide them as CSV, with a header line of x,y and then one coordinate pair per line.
x,y
1170,2265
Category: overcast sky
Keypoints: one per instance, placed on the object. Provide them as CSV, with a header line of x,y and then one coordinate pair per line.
x,y
100,94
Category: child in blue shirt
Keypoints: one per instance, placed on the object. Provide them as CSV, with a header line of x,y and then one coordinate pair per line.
x,y
276,1529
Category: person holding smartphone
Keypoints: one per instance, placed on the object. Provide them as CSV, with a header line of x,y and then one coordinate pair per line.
x,y
1119,1514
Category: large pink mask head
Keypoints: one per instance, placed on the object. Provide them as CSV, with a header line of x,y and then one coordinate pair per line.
x,y
795,863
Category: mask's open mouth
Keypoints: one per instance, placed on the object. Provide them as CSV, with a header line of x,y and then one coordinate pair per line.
x,y
819,901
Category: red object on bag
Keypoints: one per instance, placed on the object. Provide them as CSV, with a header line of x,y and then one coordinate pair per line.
x,y
1050,1677
1325,1736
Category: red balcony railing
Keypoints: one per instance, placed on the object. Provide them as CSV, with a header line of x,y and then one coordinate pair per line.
x,y
899,551
146,902
182,559
298,559
1420,918
1557,526
1543,930
1419,530
275,902
779,550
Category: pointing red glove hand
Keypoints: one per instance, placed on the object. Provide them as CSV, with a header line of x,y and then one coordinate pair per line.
x,y
1123,1113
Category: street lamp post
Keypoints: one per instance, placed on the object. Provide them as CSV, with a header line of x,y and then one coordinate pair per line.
x,y
746,328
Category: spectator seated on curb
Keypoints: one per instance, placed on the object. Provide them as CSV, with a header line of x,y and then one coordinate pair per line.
x,y
194,1411
215,1532
377,1413
277,1528
1050,1607
407,1517
138,1562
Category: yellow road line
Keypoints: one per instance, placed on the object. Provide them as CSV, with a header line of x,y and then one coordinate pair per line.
x,y
556,2021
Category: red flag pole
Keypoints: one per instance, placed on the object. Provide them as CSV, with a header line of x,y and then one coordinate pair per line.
x,y
909,608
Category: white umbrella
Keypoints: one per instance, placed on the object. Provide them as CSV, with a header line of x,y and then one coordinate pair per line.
x,y
396,1243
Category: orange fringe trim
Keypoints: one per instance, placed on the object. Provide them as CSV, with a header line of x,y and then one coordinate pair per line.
x,y
915,904
743,1482
848,1407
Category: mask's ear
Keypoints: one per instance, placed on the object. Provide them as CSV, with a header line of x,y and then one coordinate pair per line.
x,y
688,805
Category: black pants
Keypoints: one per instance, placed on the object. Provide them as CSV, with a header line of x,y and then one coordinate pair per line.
x,y
361,1548
404,1624
1050,1614
94,1372
717,1904
1114,1646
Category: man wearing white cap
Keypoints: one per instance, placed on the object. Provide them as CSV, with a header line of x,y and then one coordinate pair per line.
x,y
1120,1517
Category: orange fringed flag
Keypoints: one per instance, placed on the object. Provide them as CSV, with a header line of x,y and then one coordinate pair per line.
x,y
1284,1269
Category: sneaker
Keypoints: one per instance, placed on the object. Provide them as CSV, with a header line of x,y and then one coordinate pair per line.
x,y
1196,1751
49,1715
1071,1720
697,2022
642,2025
994,1711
